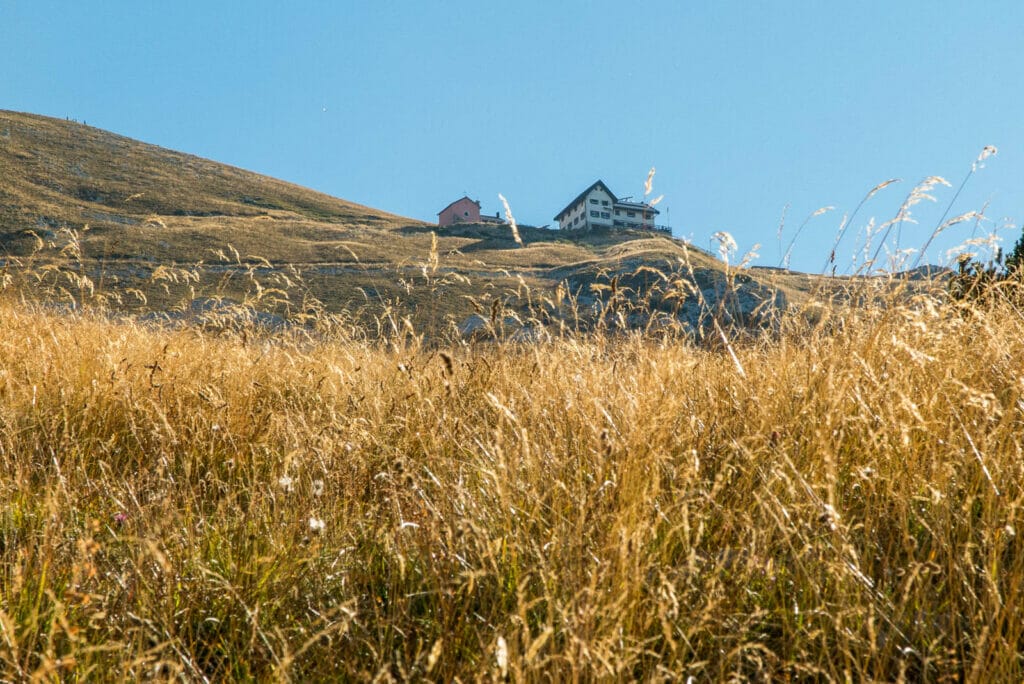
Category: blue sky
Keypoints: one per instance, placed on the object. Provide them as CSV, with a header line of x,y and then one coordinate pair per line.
x,y
744,108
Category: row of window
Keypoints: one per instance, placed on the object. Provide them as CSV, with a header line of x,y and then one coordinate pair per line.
x,y
605,214
600,214
604,203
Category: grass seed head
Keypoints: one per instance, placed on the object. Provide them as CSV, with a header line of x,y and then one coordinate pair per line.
x,y
511,220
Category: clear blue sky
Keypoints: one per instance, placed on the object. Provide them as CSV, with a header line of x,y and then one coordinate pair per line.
x,y
744,107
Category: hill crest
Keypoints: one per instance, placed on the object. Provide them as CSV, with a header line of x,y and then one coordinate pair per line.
x,y
146,207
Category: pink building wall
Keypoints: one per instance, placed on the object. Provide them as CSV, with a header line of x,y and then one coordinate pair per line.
x,y
463,210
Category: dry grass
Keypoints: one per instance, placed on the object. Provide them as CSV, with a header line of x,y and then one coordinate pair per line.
x,y
362,495
61,173
179,504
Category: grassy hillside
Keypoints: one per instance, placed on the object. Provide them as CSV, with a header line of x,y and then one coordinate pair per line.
x,y
83,202
136,196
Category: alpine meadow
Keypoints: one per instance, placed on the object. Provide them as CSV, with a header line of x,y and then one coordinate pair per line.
x,y
380,450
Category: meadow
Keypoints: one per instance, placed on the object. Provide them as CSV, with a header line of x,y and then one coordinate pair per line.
x,y
643,462
836,498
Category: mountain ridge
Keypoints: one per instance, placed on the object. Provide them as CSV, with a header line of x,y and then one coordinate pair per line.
x,y
60,172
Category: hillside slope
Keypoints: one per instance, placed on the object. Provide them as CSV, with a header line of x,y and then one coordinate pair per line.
x,y
144,200
130,209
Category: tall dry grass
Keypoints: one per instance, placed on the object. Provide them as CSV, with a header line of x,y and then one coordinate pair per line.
x,y
842,501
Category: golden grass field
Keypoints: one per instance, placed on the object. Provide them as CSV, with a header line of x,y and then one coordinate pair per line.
x,y
830,490
839,500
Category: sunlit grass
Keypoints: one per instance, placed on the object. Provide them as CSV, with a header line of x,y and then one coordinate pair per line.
x,y
179,503
624,472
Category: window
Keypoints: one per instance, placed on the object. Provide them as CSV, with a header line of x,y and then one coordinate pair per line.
x,y
604,203
604,214
594,214
465,213
617,212
630,214
593,201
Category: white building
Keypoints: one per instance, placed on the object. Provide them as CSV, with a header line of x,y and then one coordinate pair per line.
x,y
598,207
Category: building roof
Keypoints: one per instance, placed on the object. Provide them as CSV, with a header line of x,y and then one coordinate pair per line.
x,y
597,183
638,206
464,197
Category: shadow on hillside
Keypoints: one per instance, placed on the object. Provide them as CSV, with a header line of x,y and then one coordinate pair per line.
x,y
493,236
490,236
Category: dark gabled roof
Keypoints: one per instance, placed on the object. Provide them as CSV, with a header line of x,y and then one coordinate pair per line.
x,y
583,194
464,197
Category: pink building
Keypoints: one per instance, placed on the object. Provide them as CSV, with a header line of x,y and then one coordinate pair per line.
x,y
462,210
